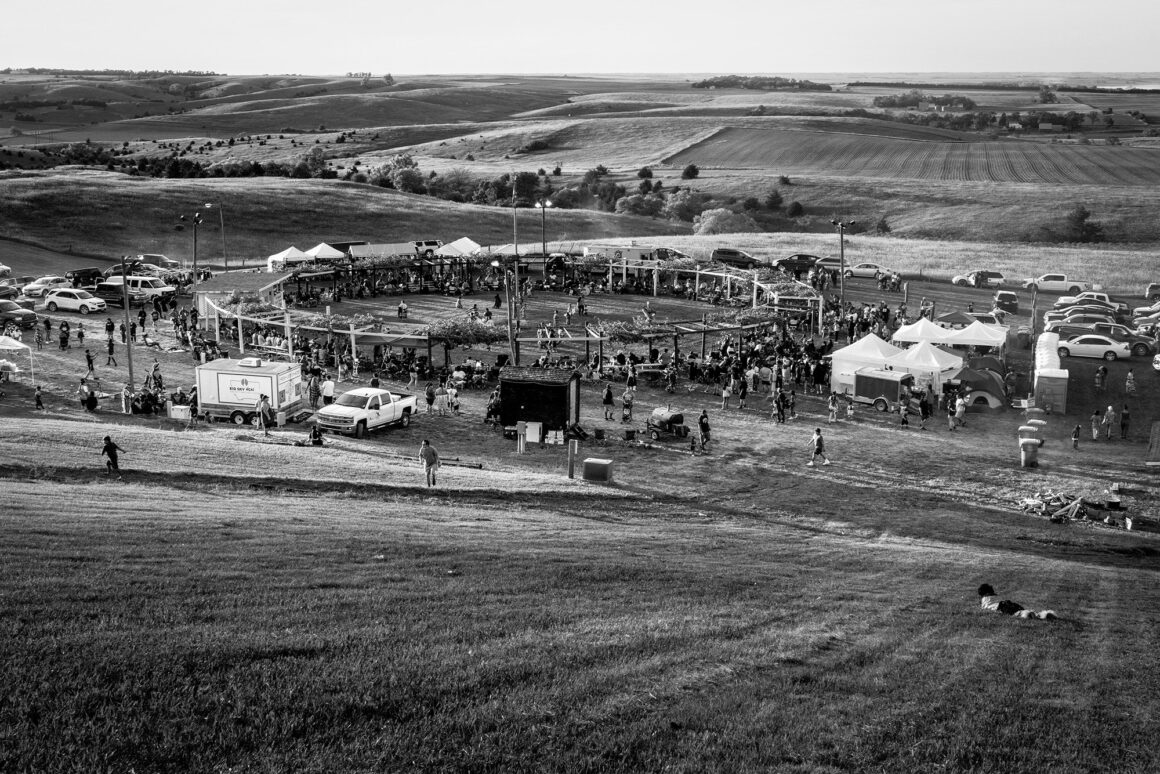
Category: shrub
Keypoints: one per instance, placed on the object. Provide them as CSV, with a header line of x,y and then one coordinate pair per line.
x,y
795,210
783,180
882,227
690,172
773,200
723,221
750,203
644,173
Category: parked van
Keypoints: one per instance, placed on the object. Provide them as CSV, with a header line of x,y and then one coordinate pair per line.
x,y
152,287
113,294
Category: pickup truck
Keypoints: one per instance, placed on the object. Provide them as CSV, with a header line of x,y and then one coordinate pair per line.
x,y
1056,283
1089,296
363,409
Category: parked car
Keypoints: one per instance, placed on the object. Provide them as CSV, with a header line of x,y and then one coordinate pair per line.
x,y
1092,297
9,291
5,271
83,277
1055,283
828,262
43,285
979,278
150,286
1092,345
131,267
17,282
1141,345
1006,301
427,247
73,300
1152,292
732,257
12,312
112,294
1077,318
796,263
157,259
873,270
987,318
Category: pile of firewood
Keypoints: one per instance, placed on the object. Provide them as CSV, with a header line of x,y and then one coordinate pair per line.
x,y
1057,506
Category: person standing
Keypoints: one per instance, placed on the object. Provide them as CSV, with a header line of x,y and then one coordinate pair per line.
x,y
1075,437
832,407
1130,384
607,401
110,327
703,429
923,410
263,414
1109,421
81,335
1124,419
430,459
961,411
819,445
112,358
742,391
83,394
1095,421
110,450
327,390
39,399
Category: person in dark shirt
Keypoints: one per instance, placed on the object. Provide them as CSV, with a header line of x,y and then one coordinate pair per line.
x,y
110,450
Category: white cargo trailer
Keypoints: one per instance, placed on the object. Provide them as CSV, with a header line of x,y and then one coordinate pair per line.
x,y
230,389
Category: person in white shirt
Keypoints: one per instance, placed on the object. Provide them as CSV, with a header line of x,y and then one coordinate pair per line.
x,y
327,390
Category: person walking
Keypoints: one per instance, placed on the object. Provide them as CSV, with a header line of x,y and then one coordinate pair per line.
x,y
430,459
1130,384
327,390
1125,418
112,358
742,391
1109,421
726,393
110,450
961,411
607,401
819,445
1095,421
703,429
832,407
39,399
90,363
1075,437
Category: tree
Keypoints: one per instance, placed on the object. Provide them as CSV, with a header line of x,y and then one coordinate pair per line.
x,y
638,204
773,200
882,227
750,203
795,210
684,205
644,173
690,172
723,221
1081,228
389,79
408,180
645,186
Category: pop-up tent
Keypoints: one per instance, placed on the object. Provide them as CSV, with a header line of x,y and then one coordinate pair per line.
x,y
955,319
11,345
921,330
323,250
927,362
460,248
279,261
868,351
978,334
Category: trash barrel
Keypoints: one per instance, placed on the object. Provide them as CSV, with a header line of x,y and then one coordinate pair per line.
x,y
598,433
630,434
1028,431
1029,452
1024,339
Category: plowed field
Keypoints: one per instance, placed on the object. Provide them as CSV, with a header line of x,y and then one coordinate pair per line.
x,y
860,155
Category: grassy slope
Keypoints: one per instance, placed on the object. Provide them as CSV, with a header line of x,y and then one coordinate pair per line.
x,y
111,214
339,628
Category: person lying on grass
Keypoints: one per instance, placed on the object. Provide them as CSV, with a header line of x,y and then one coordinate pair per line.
x,y
989,600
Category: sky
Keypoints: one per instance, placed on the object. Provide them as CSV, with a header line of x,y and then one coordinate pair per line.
x,y
593,36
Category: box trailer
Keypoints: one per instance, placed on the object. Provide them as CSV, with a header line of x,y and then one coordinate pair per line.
x,y
230,389
884,390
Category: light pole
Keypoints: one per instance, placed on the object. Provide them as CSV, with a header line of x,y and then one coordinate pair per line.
x,y
222,221
542,204
195,221
507,289
842,226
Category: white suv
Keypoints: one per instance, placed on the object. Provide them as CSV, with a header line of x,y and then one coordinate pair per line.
x,y
69,300
152,287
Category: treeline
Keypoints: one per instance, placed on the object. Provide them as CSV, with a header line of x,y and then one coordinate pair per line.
x,y
123,73
998,86
914,97
21,104
760,83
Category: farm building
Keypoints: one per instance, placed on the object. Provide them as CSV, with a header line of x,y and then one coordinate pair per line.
x,y
547,395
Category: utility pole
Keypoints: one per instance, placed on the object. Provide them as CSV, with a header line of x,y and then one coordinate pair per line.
x,y
842,226
125,303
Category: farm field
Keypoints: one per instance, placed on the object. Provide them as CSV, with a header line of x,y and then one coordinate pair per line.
x,y
847,155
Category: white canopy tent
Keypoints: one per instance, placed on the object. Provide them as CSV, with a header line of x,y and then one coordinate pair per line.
x,y
279,261
868,351
9,344
460,248
323,250
978,334
921,330
927,362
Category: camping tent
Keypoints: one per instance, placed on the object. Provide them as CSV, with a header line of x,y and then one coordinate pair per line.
x,y
460,248
9,344
867,351
323,250
978,334
927,362
921,330
279,261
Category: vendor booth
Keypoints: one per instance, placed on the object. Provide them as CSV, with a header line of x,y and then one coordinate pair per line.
x,y
868,351
10,369
288,257
921,330
928,363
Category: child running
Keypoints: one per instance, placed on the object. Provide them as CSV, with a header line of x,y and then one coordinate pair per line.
x,y
819,445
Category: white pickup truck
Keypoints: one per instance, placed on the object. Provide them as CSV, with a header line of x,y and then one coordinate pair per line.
x,y
365,408
1056,283
1092,296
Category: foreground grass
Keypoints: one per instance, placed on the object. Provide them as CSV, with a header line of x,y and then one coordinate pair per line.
x,y
308,634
